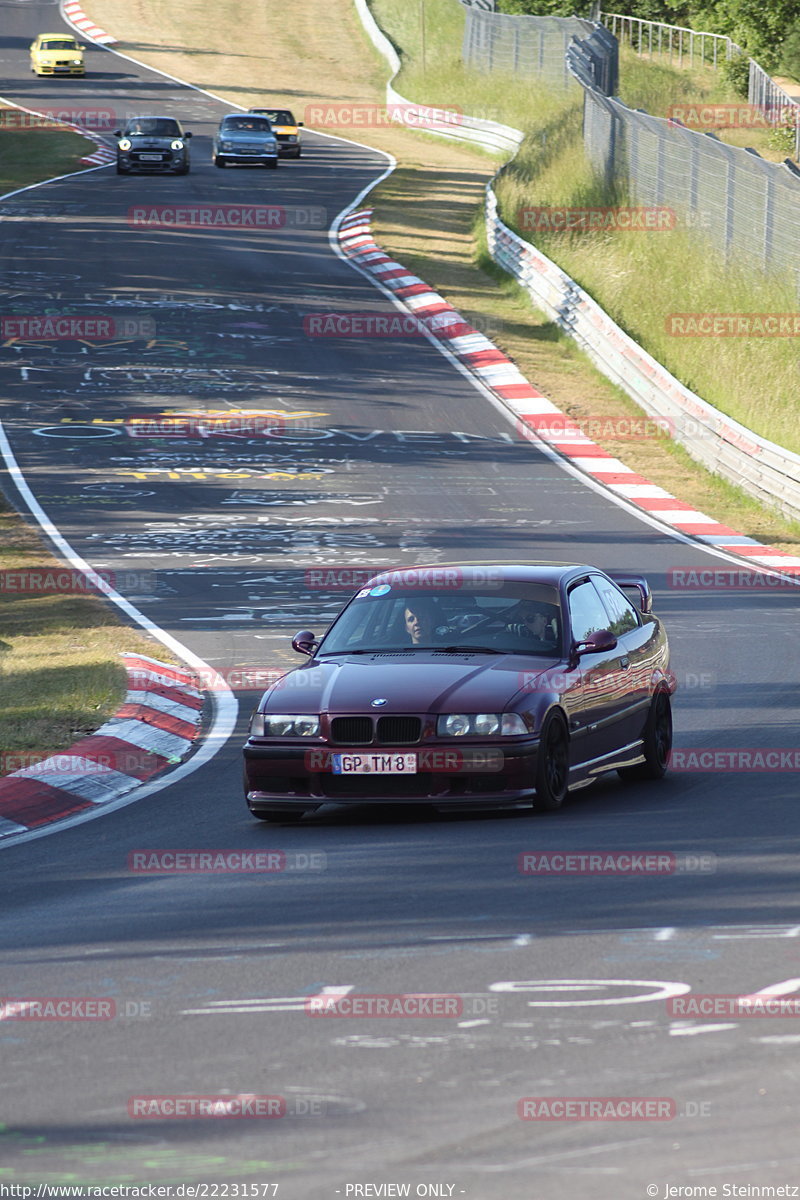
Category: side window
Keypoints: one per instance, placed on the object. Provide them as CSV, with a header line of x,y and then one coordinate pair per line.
x,y
621,613
586,611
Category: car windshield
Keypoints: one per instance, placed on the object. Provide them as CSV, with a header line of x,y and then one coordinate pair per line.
x,y
278,116
59,44
154,127
491,614
246,124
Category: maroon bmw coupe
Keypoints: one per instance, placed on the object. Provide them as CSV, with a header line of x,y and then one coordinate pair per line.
x,y
465,687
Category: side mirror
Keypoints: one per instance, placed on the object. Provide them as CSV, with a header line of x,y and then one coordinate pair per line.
x,y
301,122
187,135
304,642
117,133
597,643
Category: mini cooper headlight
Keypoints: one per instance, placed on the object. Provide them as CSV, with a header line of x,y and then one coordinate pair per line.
x,y
125,144
284,725
177,144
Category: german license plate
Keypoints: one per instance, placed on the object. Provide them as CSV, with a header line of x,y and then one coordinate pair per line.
x,y
374,764
150,157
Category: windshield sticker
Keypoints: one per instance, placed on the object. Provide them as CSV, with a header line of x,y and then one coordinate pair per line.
x,y
380,590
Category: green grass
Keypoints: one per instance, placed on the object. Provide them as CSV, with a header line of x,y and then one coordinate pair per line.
x,y
639,278
29,156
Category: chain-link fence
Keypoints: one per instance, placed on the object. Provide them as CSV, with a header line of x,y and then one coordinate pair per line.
x,y
746,205
525,45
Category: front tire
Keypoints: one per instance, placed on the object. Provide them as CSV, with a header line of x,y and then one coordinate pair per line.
x,y
272,163
552,768
220,162
657,742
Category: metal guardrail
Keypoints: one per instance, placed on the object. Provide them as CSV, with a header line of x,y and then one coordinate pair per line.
x,y
761,468
774,102
657,37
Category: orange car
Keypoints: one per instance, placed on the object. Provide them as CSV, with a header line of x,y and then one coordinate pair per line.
x,y
285,128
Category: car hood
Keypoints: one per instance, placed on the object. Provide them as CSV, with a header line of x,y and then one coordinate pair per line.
x,y
410,682
244,135
157,142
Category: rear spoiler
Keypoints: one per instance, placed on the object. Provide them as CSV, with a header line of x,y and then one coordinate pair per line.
x,y
636,583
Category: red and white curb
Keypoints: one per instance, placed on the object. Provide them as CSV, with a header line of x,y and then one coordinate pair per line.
x,y
154,728
75,15
538,417
100,157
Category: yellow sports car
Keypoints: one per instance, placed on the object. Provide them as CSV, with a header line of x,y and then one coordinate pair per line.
x,y
285,128
57,54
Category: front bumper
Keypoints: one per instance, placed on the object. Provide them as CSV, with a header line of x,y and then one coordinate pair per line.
x,y
41,69
130,161
233,156
289,776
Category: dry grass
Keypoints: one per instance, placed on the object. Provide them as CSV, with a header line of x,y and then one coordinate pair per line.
x,y
60,670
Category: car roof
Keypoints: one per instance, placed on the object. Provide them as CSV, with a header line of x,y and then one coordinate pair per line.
x,y
151,117
531,572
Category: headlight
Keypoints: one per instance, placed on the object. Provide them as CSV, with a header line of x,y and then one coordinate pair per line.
x,y
481,725
177,144
292,137
512,725
284,725
453,725
227,145
125,144
77,62
486,723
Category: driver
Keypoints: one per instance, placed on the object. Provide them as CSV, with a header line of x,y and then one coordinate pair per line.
x,y
534,622
420,618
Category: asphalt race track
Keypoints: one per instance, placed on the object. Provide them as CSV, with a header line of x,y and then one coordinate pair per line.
x,y
385,455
